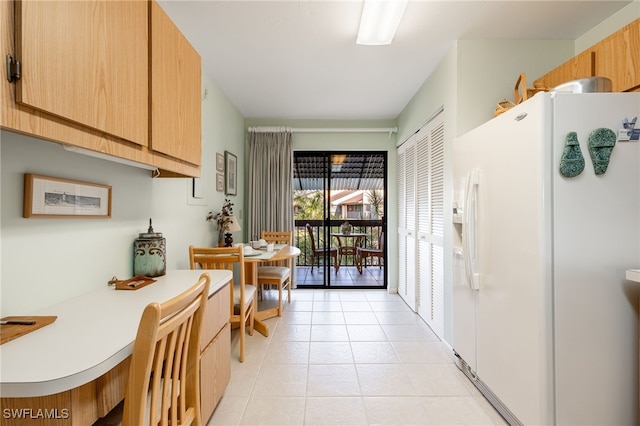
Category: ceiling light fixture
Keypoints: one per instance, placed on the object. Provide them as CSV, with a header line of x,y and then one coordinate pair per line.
x,y
380,20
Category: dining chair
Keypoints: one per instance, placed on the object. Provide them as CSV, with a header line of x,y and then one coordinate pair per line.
x,y
319,252
278,273
243,302
364,253
163,386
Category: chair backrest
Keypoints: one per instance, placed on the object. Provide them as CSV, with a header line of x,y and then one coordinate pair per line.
x,y
278,237
221,258
166,361
215,257
313,241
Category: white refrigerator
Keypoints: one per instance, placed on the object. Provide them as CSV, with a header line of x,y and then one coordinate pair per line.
x,y
545,323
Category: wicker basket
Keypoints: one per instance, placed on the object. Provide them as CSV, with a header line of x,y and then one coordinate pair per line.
x,y
520,94
503,105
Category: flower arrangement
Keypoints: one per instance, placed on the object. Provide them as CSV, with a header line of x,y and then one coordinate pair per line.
x,y
223,217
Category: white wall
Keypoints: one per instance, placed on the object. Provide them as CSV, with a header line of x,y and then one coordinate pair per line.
x,y
488,69
44,261
624,16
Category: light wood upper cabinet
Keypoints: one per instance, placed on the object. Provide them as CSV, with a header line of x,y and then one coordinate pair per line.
x,y
618,57
86,77
86,61
581,66
175,90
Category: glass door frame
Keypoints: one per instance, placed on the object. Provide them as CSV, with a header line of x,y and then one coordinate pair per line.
x,y
327,223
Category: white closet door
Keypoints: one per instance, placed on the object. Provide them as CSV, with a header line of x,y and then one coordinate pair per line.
x,y
423,264
430,224
410,255
402,221
406,222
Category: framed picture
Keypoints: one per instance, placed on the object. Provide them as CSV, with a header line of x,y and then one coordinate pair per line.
x,y
231,177
46,196
219,182
219,162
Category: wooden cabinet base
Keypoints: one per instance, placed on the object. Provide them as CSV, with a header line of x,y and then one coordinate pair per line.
x,y
80,406
215,372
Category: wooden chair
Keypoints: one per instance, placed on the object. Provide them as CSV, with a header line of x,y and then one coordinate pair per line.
x,y
164,375
364,253
277,274
319,252
243,302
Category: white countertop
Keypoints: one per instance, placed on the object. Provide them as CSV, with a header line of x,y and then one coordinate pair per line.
x,y
633,275
93,333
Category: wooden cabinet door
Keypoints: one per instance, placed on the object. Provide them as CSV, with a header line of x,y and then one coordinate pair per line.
x,y
216,316
215,372
87,62
580,66
175,91
618,57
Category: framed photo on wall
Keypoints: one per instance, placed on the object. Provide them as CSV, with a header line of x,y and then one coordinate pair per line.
x,y
46,196
219,162
219,182
231,173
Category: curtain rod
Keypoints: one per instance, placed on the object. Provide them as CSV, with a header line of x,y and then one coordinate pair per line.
x,y
261,129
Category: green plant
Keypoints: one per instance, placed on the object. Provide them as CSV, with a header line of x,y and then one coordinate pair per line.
x,y
223,217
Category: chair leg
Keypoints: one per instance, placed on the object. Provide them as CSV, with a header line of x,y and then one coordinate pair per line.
x,y
252,316
242,331
280,299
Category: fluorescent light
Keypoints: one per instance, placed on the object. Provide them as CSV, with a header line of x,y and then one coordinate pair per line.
x,y
380,20
108,157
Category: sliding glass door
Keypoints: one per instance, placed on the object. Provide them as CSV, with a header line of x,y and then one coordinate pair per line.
x,y
339,211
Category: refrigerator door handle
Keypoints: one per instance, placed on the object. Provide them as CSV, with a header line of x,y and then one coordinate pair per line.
x,y
469,218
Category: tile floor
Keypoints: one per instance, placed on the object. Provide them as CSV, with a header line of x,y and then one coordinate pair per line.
x,y
349,357
347,276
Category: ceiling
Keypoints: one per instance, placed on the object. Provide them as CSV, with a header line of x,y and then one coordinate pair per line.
x,y
299,60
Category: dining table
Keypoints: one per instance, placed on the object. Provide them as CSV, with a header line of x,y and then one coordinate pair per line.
x,y
348,243
281,252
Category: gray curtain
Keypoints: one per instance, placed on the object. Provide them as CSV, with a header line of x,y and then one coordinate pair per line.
x,y
270,182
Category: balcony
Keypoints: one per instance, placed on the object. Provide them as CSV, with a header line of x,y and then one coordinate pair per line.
x,y
347,276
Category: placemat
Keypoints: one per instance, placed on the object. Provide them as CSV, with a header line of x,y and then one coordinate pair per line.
x,y
11,331
134,283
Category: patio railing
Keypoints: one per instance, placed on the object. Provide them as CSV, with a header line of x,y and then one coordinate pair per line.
x,y
301,239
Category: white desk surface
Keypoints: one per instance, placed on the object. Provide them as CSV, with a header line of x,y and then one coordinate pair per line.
x,y
93,333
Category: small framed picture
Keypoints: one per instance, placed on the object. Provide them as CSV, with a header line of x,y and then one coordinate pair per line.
x,y
219,182
219,162
231,168
46,196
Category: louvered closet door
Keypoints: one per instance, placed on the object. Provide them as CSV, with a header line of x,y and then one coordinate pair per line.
x,y
402,221
430,224
407,222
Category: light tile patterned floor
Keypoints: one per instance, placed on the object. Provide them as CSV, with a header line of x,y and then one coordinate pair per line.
x,y
349,357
